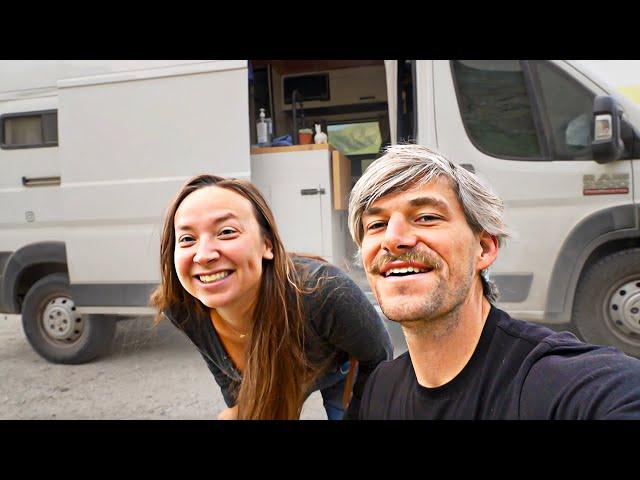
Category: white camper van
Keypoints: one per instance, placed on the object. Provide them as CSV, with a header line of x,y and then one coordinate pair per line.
x,y
91,152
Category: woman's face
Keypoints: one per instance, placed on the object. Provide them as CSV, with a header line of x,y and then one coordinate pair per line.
x,y
219,248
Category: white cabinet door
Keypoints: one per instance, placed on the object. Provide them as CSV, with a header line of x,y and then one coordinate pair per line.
x,y
303,218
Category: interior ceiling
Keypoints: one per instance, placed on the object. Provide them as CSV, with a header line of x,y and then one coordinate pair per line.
x,y
287,67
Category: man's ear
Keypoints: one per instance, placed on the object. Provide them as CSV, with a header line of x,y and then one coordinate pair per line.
x,y
489,250
268,249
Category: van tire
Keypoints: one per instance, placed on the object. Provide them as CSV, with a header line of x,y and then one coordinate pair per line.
x,y
606,310
55,331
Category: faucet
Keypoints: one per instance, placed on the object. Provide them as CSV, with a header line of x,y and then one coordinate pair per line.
x,y
296,97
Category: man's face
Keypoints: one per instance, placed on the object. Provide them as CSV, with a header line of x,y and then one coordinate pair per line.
x,y
420,255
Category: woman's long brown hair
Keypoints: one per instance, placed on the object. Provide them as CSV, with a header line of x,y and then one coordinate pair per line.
x,y
277,374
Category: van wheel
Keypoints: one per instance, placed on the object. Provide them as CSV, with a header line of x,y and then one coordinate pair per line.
x,y
56,331
607,306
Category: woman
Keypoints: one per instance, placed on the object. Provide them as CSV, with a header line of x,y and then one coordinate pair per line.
x,y
272,327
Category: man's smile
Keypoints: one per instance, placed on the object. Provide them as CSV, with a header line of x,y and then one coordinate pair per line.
x,y
403,268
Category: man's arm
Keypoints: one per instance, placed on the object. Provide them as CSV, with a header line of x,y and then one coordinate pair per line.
x,y
582,383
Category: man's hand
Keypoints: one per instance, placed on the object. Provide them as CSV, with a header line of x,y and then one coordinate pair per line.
x,y
230,413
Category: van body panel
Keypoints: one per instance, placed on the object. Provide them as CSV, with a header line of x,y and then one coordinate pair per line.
x,y
144,137
427,120
25,77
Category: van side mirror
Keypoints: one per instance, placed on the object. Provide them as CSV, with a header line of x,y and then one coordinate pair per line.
x,y
607,144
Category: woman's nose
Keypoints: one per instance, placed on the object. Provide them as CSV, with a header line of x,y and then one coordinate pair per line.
x,y
206,252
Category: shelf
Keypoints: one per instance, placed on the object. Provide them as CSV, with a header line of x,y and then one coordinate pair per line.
x,y
292,148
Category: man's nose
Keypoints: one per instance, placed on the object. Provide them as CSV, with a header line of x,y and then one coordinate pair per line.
x,y
398,236
206,252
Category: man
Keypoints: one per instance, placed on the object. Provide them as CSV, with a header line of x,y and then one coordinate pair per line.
x,y
428,230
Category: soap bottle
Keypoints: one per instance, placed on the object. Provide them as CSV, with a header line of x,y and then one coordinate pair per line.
x,y
262,130
320,136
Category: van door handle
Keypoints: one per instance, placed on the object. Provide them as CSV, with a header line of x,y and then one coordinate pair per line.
x,y
40,181
312,191
469,167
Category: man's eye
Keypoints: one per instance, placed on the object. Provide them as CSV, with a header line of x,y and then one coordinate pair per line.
x,y
375,225
428,218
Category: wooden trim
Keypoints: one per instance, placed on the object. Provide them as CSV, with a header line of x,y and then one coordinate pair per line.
x,y
292,148
341,179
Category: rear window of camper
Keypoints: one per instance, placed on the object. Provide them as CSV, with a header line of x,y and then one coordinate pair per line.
x,y
29,129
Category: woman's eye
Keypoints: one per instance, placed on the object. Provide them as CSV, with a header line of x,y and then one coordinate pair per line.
x,y
185,239
227,231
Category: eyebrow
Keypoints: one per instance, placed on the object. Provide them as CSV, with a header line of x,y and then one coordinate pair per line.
x,y
414,202
429,201
219,219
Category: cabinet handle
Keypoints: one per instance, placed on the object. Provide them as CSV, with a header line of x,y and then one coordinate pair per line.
x,y
40,181
312,191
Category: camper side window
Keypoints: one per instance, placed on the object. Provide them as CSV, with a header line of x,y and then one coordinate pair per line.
x,y
29,129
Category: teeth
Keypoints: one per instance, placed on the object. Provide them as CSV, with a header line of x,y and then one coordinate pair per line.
x,y
404,270
214,277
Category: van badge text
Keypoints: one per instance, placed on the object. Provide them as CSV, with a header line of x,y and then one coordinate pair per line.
x,y
605,184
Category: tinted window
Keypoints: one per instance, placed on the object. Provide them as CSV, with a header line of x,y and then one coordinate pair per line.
x,y
495,107
568,109
33,129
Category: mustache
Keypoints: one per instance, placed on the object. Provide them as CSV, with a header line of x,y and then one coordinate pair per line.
x,y
430,260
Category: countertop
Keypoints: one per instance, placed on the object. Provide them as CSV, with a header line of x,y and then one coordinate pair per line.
x,y
292,148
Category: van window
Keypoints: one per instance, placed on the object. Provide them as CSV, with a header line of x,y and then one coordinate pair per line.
x,y
29,130
567,108
495,107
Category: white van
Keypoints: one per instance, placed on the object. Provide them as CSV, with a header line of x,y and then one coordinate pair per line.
x,y
92,152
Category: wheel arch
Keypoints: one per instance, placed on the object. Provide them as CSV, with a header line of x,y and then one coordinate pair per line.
x,y
26,266
601,233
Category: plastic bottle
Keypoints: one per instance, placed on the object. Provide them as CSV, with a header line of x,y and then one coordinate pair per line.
x,y
262,130
269,121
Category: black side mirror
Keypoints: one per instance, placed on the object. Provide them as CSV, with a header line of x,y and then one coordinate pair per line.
x,y
607,144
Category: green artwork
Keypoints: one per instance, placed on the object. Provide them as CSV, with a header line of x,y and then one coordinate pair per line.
x,y
356,138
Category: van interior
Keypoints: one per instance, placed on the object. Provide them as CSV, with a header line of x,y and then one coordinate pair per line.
x,y
347,98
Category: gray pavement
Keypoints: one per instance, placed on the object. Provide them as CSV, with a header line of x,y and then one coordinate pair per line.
x,y
153,372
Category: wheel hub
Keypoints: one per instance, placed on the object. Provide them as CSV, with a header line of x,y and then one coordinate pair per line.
x,y
624,308
60,321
